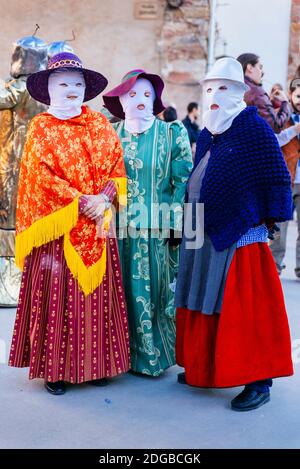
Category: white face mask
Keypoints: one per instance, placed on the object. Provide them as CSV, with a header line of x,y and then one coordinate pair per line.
x,y
138,106
223,100
66,91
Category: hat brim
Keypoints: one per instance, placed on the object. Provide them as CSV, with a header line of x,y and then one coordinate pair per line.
x,y
37,84
246,87
112,101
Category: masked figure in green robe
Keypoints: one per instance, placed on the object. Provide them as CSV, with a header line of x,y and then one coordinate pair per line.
x,y
158,162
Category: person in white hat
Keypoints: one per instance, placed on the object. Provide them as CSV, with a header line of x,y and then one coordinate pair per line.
x,y
228,105
232,327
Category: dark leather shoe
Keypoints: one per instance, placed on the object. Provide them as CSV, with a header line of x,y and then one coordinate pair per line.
x,y
140,375
99,382
249,399
57,388
280,268
181,378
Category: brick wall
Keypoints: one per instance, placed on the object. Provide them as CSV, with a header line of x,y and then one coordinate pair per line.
x,y
183,49
294,49
110,38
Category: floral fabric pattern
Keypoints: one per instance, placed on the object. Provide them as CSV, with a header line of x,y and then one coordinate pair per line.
x,y
61,161
158,163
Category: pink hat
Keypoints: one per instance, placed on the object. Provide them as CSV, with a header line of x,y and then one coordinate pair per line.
x,y
111,99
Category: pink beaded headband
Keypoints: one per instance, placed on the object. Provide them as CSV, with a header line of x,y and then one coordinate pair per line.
x,y
65,63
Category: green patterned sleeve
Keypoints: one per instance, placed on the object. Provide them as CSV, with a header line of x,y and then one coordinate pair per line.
x,y
181,166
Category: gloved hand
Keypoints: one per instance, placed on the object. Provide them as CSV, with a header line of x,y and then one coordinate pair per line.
x,y
174,238
272,230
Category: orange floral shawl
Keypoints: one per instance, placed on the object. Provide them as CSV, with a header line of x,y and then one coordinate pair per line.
x,y
61,161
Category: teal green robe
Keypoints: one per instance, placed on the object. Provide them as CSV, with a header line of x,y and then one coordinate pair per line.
x,y
158,163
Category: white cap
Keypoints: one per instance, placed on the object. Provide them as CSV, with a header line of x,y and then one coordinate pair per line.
x,y
227,68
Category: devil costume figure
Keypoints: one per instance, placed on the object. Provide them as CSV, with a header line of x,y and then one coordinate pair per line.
x,y
17,108
232,327
71,322
158,162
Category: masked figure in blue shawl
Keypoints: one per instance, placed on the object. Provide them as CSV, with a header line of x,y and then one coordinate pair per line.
x,y
232,327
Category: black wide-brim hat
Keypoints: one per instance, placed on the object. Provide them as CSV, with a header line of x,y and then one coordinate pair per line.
x,y
112,101
37,83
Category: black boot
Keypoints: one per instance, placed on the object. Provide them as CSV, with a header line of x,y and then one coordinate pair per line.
x,y
181,378
57,388
139,374
99,382
249,399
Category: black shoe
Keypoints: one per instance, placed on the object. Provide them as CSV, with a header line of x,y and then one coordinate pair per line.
x,y
134,373
181,378
280,268
57,388
249,399
140,375
297,272
99,382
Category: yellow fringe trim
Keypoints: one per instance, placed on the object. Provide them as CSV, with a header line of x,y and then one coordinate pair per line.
x,y
60,223
121,184
89,278
45,230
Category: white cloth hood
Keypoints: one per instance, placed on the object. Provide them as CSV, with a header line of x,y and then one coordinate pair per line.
x,y
222,103
66,91
138,106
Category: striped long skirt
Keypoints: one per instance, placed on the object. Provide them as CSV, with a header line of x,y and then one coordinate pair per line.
x,y
59,333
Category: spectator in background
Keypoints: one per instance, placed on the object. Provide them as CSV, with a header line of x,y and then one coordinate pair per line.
x,y
289,141
276,103
190,123
257,96
169,114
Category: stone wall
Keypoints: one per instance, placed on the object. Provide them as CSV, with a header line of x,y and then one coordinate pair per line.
x,y
183,50
112,38
109,38
294,56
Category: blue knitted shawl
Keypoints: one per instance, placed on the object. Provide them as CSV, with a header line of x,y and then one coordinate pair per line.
x,y
246,180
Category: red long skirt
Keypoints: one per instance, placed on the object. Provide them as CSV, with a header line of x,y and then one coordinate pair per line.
x,y
250,339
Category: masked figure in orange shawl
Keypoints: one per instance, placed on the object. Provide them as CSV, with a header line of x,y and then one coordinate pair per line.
x,y
71,323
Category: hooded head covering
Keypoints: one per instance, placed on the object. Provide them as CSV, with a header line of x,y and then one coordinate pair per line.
x,y
37,84
66,90
223,95
112,101
137,104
